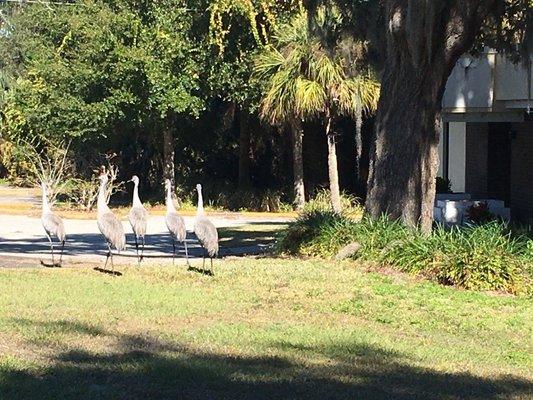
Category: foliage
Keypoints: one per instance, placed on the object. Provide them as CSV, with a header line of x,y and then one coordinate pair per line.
x,y
48,166
98,72
83,193
321,202
484,257
237,28
261,16
479,213
112,74
305,79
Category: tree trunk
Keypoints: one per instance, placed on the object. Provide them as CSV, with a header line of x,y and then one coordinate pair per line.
x,y
297,162
404,160
358,141
168,151
333,172
424,42
244,151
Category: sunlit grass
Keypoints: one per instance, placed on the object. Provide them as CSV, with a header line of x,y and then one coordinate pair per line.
x,y
281,328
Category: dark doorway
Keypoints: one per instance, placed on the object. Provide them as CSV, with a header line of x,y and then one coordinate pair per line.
x,y
499,162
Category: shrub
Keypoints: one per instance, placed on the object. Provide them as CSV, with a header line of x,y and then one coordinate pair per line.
x,y
310,234
479,213
484,257
321,202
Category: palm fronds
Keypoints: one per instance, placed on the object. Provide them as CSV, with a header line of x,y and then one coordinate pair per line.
x,y
303,79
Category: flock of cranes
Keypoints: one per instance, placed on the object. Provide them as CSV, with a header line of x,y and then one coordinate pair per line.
x,y
113,231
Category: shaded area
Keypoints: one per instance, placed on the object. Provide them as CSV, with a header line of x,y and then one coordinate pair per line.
x,y
94,244
249,239
142,366
252,234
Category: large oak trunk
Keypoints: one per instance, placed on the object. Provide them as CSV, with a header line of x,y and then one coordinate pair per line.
x,y
297,163
404,158
424,41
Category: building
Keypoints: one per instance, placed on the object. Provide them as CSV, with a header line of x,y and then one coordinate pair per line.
x,y
486,147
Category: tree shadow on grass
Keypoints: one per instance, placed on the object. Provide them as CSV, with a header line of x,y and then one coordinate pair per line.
x,y
144,367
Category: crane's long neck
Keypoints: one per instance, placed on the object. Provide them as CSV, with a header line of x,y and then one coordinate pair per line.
x,y
136,199
170,203
46,204
200,209
101,204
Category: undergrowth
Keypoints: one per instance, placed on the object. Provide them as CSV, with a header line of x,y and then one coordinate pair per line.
x,y
481,257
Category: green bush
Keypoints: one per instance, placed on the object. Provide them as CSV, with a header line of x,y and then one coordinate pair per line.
x,y
484,257
321,202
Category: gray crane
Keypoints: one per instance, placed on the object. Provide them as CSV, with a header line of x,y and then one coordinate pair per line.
x,y
108,223
205,231
53,226
138,218
175,223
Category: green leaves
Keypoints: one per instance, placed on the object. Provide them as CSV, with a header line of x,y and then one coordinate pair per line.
x,y
484,257
304,78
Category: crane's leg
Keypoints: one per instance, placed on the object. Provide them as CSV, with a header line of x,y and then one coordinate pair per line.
x,y
142,249
137,248
112,264
173,250
61,255
212,272
203,259
52,248
186,252
107,258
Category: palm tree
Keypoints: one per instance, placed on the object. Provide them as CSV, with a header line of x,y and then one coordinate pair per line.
x,y
305,78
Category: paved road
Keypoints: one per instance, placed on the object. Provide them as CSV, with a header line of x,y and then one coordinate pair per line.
x,y
22,238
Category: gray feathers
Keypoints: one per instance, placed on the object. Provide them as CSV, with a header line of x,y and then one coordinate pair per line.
x,y
138,218
53,226
112,230
176,226
207,235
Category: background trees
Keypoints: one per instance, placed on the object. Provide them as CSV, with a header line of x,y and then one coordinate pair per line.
x,y
166,86
308,76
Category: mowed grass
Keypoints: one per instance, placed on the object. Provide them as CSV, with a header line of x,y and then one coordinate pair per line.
x,y
259,329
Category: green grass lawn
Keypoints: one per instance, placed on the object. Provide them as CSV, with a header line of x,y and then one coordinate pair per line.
x,y
259,329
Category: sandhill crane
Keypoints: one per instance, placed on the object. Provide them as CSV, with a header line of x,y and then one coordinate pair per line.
x,y
138,218
108,223
53,225
205,230
175,223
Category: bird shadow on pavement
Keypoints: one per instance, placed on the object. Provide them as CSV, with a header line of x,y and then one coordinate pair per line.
x,y
107,271
50,265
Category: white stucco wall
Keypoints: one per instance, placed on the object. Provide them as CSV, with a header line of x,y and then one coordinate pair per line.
x,y
489,83
441,151
457,156
510,80
471,84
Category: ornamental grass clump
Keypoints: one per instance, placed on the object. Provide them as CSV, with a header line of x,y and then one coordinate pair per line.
x,y
481,257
